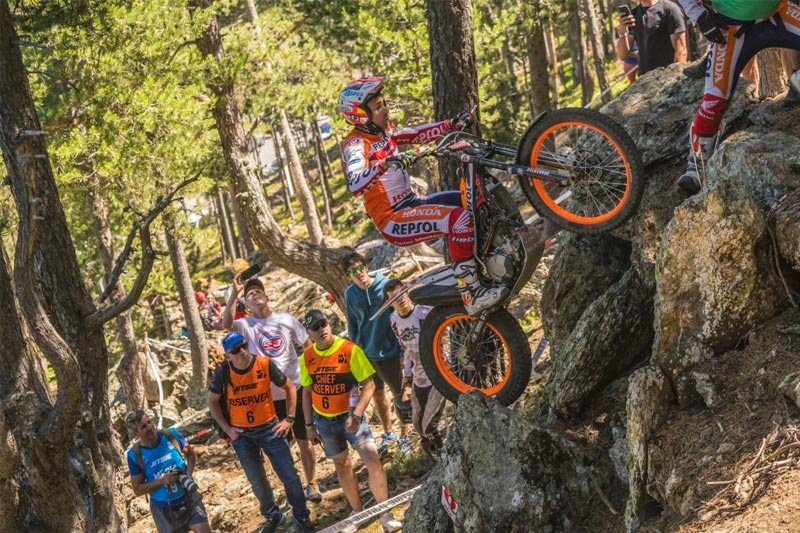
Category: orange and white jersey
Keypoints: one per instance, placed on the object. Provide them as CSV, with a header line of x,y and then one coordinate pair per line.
x,y
383,191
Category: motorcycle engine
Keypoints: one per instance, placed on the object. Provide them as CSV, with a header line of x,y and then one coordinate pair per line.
x,y
500,266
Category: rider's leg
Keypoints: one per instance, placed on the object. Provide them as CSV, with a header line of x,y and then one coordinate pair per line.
x,y
425,222
474,294
727,63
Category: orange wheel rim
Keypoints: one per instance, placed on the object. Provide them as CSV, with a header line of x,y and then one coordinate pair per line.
x,y
440,357
539,185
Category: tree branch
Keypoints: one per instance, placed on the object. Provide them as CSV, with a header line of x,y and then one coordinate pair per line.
x,y
108,312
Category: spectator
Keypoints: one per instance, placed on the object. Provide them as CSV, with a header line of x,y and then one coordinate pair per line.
x,y
631,64
154,463
210,310
427,403
274,335
659,31
329,369
362,299
248,417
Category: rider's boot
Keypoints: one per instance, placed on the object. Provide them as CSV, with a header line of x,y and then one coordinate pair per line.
x,y
474,294
691,181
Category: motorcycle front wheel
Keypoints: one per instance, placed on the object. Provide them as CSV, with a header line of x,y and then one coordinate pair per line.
x,y
597,159
497,363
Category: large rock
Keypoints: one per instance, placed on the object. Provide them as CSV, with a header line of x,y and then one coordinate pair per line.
x,y
714,278
505,474
614,332
582,270
786,219
649,399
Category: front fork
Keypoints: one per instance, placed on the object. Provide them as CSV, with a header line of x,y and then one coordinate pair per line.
x,y
466,356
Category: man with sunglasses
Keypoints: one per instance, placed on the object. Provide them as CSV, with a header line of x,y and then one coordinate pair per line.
x,y
329,370
362,299
274,335
253,427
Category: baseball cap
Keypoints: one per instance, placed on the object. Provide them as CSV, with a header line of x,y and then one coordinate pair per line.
x,y
231,340
253,282
312,317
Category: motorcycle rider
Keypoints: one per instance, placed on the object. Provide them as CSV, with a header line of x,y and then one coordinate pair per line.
x,y
402,217
737,31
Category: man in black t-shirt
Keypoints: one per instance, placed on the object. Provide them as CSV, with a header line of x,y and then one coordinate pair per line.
x,y
658,28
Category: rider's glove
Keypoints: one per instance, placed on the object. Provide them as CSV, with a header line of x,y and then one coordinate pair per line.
x,y
463,120
401,161
712,27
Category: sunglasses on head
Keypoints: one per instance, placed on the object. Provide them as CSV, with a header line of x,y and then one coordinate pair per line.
x,y
319,325
238,348
359,268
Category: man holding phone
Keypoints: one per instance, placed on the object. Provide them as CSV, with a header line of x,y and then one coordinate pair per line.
x,y
658,29
274,335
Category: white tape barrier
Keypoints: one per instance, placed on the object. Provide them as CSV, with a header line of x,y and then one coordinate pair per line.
x,y
188,419
165,345
359,518
566,194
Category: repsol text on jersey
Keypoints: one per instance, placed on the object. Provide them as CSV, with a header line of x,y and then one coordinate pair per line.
x,y
412,228
244,401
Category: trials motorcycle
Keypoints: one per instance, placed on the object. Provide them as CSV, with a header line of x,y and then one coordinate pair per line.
x,y
580,170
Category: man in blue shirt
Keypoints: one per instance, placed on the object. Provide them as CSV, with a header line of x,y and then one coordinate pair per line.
x,y
362,299
154,473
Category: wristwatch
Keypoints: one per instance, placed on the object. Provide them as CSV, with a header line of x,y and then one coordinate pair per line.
x,y
290,419
311,426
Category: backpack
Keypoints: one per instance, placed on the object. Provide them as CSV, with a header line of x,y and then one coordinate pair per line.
x,y
223,401
137,448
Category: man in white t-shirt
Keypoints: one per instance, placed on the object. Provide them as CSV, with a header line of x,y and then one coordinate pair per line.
x,y
274,335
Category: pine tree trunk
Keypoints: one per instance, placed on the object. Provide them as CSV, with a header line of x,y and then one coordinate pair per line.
x,y
594,30
131,368
305,259
323,181
454,73
575,38
552,65
285,184
183,281
300,184
245,242
772,78
70,436
540,78
224,222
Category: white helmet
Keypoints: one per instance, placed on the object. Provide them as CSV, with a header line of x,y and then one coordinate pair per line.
x,y
355,95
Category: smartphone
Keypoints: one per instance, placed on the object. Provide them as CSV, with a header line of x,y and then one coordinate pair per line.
x,y
250,272
625,11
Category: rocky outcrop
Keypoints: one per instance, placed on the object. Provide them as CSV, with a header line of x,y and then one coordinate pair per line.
x,y
504,474
786,219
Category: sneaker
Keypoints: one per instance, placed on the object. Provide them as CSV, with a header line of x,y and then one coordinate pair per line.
x,y
793,96
386,439
305,525
273,522
697,70
312,492
389,523
405,446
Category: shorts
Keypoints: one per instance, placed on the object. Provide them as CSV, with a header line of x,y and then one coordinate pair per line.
x,y
389,371
335,438
179,518
299,427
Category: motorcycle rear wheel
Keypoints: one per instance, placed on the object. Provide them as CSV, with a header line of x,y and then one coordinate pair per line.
x,y
498,365
598,158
